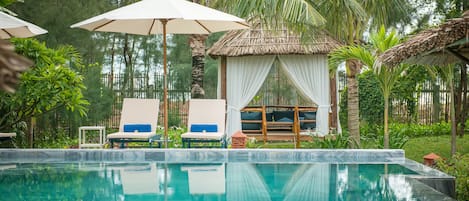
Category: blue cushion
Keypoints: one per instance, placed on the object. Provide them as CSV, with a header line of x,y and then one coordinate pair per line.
x,y
269,116
285,119
204,127
137,127
282,114
308,116
251,116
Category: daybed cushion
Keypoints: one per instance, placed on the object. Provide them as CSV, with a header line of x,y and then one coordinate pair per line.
x,y
308,116
251,116
285,119
269,116
137,128
278,115
204,127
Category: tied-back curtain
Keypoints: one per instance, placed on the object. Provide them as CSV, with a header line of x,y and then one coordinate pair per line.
x,y
245,77
310,75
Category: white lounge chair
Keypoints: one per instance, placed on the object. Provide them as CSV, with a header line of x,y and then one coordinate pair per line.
x,y
139,118
7,136
206,122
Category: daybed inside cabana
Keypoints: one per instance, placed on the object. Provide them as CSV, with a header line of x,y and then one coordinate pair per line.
x,y
246,58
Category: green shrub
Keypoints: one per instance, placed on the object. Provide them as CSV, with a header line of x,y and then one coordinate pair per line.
x,y
371,98
337,141
374,136
54,139
417,130
458,166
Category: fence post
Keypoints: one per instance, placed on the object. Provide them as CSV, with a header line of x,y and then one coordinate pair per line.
x,y
436,103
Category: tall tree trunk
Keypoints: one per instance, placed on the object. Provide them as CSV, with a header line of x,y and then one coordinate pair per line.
x,y
197,44
113,52
463,100
353,67
128,72
386,126
453,118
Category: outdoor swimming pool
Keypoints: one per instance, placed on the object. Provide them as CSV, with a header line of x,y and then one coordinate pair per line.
x,y
216,174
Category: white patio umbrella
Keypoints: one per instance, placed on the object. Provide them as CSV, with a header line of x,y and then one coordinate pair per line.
x,y
148,17
14,27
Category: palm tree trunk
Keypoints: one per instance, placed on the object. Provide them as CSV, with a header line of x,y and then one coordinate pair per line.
x,y
353,102
463,113
386,126
197,43
453,118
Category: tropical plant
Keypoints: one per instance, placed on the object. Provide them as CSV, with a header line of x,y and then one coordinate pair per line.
x,y
48,86
387,77
340,141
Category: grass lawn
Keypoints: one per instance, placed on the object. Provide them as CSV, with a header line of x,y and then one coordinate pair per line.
x,y
416,148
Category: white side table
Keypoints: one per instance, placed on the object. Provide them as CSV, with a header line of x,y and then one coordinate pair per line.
x,y
82,143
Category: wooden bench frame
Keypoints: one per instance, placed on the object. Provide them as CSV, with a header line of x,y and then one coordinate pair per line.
x,y
272,125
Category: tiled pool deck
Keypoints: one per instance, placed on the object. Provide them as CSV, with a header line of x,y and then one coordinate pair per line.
x,y
204,155
434,178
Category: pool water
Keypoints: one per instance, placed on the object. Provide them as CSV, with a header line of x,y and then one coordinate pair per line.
x,y
211,181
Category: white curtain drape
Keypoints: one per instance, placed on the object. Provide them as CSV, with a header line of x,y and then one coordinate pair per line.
x,y
245,77
310,74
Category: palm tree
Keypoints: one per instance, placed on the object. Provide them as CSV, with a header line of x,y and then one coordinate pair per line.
x,y
347,20
387,77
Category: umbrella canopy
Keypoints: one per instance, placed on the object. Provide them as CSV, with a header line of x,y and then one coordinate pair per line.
x,y
148,16
161,17
14,27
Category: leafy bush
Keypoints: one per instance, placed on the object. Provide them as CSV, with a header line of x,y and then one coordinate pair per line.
x,y
408,130
54,139
375,134
458,166
371,98
337,141
417,130
397,140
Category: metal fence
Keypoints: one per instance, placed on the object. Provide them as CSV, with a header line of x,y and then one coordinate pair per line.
x,y
141,86
432,103
432,98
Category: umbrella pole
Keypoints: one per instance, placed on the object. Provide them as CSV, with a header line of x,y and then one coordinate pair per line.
x,y
165,85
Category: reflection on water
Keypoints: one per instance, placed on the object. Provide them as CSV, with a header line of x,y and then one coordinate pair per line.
x,y
232,181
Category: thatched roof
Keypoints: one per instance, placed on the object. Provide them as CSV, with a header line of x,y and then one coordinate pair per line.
x,y
259,41
434,46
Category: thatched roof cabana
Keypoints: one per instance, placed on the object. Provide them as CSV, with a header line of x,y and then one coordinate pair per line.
x,y
448,43
259,41
246,57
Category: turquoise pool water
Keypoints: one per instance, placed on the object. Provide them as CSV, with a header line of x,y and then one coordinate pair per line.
x,y
207,182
